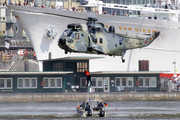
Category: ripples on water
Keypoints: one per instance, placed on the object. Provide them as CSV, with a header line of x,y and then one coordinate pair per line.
x,y
136,110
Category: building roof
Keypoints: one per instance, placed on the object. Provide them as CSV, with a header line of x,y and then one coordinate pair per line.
x,y
74,58
129,72
35,73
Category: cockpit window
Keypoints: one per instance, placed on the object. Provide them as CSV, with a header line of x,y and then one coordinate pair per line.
x,y
74,35
69,34
65,32
77,36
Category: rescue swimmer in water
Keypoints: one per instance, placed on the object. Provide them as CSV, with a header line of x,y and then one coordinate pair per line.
x,y
93,38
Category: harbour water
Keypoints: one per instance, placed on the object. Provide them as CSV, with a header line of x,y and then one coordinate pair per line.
x,y
136,110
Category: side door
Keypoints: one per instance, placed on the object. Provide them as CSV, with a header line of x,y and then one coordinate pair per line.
x,y
106,84
80,41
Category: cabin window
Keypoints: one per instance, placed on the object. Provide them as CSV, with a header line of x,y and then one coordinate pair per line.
x,y
77,36
69,34
82,35
83,82
101,40
120,42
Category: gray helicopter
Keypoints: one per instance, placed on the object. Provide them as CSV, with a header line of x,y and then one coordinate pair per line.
x,y
93,38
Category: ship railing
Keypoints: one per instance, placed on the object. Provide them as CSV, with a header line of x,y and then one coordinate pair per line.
x,y
16,44
137,8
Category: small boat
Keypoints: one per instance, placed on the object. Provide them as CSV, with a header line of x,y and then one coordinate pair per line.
x,y
97,108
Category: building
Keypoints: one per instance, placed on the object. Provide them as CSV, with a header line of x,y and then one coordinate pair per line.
x,y
66,75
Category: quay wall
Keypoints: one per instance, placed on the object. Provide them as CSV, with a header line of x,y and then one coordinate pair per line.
x,y
42,97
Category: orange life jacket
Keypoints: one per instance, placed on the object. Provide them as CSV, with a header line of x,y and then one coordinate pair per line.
x,y
87,73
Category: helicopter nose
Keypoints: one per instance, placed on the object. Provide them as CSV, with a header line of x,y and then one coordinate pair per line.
x,y
62,41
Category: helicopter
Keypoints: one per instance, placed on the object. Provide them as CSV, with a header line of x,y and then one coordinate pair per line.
x,y
93,38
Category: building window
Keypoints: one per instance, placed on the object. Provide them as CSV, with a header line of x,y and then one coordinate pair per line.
x,y
5,83
20,83
153,81
130,82
117,81
52,82
141,81
2,81
99,82
27,80
93,82
83,82
33,82
9,82
81,66
58,66
124,82
59,82
46,82
147,80
24,83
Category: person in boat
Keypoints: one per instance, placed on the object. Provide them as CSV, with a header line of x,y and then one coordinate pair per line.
x,y
83,105
88,77
96,106
100,105
87,107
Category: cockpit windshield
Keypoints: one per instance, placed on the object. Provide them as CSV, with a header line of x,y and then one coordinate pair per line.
x,y
69,34
65,32
74,35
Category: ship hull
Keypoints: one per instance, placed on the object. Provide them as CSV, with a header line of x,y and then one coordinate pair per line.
x,y
161,53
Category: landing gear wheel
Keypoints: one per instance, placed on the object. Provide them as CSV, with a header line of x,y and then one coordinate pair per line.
x,y
123,60
66,52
